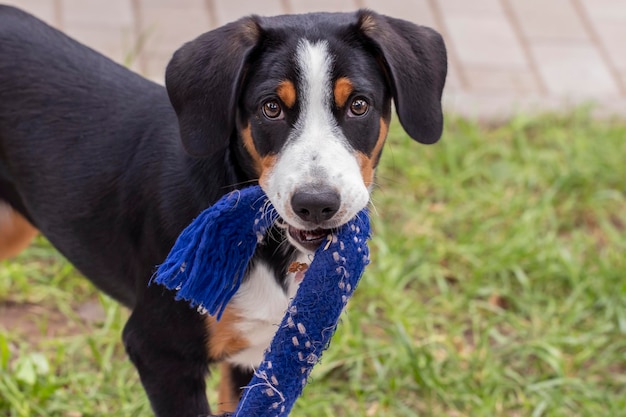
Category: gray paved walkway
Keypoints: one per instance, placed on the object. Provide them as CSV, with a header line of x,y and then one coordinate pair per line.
x,y
505,55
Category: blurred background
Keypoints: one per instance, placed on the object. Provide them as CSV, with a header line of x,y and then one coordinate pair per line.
x,y
498,281
505,55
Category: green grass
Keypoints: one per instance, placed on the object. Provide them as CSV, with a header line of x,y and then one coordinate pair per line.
x,y
497,288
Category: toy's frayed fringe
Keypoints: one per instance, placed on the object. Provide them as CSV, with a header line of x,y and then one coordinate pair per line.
x,y
206,267
309,323
209,259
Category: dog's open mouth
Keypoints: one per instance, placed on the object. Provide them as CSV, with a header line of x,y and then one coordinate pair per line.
x,y
309,239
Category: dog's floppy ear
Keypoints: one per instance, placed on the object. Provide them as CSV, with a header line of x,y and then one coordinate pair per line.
x,y
203,81
415,59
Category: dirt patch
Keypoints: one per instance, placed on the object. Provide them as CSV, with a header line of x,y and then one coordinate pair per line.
x,y
34,322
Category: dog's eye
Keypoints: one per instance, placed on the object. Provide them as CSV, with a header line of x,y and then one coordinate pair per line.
x,y
358,107
273,110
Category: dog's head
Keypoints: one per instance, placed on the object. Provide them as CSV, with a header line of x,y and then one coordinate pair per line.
x,y
306,99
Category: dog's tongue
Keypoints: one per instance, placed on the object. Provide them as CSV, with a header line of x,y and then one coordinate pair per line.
x,y
299,276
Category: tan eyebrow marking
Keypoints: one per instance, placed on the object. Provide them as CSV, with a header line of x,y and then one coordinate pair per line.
x,y
287,93
343,89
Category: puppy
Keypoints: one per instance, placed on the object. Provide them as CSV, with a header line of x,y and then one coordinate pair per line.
x,y
110,169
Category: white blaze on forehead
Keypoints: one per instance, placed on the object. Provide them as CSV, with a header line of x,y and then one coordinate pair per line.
x,y
317,154
315,84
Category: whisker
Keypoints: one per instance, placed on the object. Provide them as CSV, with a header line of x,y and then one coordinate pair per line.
x,y
239,184
374,208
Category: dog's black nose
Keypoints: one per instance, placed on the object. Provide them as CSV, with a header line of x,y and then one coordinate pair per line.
x,y
315,207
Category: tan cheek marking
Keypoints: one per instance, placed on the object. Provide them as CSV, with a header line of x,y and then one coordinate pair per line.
x,y
224,338
368,163
226,399
262,164
343,89
16,232
287,93
267,164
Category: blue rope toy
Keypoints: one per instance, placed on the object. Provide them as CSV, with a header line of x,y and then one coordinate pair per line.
x,y
206,267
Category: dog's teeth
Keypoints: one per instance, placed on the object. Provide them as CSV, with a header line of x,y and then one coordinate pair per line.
x,y
311,236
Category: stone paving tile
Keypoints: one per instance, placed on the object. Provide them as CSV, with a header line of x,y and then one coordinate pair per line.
x,y
453,81
485,41
228,10
465,7
484,58
504,55
115,44
613,35
484,48
574,69
300,6
43,9
165,25
114,14
606,9
107,27
491,107
486,38
608,19
419,12
553,19
515,83
543,23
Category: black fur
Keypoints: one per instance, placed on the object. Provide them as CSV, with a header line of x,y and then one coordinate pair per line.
x,y
97,159
359,63
415,57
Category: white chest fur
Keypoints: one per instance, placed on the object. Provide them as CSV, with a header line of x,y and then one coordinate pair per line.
x,y
262,303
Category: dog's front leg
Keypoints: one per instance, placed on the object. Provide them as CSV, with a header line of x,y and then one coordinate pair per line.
x,y
166,340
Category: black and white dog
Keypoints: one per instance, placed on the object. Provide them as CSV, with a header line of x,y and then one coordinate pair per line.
x,y
110,169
